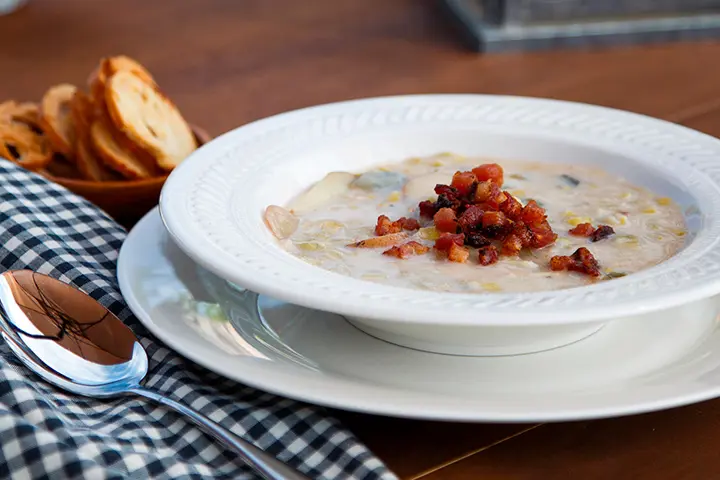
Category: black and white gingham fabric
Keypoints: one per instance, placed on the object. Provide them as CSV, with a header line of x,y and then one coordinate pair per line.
x,y
46,433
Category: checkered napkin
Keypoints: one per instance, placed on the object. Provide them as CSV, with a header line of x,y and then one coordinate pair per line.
x,y
46,433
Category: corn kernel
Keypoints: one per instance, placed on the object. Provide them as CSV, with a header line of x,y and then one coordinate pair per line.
x,y
330,226
518,193
429,233
394,197
437,163
575,221
569,213
649,210
446,154
334,254
659,237
414,161
664,201
309,246
680,233
491,287
384,169
626,196
615,219
630,240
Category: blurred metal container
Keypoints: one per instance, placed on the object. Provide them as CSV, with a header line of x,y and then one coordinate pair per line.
x,y
527,12
9,6
511,25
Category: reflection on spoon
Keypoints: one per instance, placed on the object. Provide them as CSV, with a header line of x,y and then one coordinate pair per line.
x,y
73,342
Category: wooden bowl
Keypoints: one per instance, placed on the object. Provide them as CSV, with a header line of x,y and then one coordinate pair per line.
x,y
125,200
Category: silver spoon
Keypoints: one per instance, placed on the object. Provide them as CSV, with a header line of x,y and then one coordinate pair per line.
x,y
73,342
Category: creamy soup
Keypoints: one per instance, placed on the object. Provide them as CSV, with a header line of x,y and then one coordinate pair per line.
x,y
323,226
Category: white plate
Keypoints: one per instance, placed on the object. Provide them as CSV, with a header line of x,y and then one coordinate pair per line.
x,y
628,367
213,203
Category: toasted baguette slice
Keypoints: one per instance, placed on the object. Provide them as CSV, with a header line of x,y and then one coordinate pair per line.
x,y
109,67
114,155
120,63
56,120
149,119
27,113
124,142
27,148
81,111
89,166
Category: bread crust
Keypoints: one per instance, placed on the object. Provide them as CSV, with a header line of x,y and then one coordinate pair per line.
x,y
25,147
114,155
108,67
148,119
86,160
56,119
81,111
26,112
90,166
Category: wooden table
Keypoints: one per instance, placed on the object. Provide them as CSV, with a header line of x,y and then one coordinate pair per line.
x,y
227,62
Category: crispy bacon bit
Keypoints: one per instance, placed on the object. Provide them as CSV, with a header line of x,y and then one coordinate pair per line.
x,y
490,171
458,254
542,235
445,220
490,194
445,202
558,263
471,218
487,255
483,191
512,245
521,231
382,241
595,234
581,261
447,240
582,230
463,182
406,250
449,191
495,224
474,211
497,200
427,209
511,207
409,224
385,225
603,231
476,240
533,213
493,219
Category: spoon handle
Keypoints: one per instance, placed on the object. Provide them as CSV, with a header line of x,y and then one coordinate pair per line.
x,y
267,465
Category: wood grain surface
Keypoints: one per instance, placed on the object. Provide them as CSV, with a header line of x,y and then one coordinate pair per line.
x,y
228,62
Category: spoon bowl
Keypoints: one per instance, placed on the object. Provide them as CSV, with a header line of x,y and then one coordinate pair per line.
x,y
73,342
